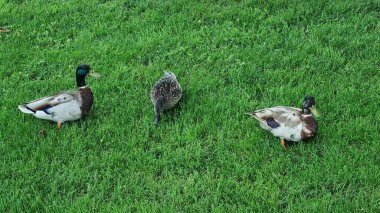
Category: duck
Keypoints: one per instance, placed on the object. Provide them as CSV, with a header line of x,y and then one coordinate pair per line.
x,y
165,94
289,123
67,105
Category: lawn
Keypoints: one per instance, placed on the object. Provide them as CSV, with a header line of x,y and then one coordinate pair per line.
x,y
230,57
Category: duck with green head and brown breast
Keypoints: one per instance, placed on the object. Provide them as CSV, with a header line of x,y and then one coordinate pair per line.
x,y
289,123
67,105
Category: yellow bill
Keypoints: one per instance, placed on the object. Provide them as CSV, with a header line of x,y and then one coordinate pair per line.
x,y
315,111
93,74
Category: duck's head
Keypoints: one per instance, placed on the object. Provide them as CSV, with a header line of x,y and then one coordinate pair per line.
x,y
309,105
82,72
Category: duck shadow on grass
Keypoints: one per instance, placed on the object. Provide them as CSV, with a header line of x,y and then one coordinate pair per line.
x,y
296,143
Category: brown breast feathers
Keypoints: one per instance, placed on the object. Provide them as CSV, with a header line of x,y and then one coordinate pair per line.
x,y
310,128
87,99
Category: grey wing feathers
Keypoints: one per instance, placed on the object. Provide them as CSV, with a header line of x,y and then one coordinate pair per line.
x,y
287,115
282,115
52,100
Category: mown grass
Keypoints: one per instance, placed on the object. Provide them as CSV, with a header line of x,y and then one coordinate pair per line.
x,y
230,57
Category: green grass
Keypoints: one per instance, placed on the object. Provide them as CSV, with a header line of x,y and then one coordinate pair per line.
x,y
230,58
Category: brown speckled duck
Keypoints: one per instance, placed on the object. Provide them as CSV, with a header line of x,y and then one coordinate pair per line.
x,y
64,106
288,123
165,94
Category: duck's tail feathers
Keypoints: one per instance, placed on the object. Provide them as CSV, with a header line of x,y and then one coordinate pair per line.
x,y
254,114
170,74
33,106
261,116
250,113
26,109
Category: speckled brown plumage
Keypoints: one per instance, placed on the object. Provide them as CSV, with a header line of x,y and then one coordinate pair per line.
x,y
87,99
165,94
168,90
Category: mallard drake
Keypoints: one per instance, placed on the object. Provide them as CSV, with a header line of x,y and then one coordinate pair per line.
x,y
165,94
289,123
64,106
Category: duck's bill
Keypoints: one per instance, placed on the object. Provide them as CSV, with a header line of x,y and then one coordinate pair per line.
x,y
93,74
315,111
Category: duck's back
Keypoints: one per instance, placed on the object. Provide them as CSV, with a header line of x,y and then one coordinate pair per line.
x,y
168,89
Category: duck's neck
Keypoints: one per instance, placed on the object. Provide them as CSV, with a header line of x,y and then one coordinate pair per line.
x,y
306,111
81,81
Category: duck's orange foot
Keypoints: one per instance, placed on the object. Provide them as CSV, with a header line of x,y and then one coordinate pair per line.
x,y
283,144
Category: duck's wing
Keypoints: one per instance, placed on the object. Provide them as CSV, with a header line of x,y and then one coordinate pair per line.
x,y
274,117
45,103
288,116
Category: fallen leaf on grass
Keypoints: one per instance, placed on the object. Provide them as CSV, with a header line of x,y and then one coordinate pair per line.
x,y
4,30
42,133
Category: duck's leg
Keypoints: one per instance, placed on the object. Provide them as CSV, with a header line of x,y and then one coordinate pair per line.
x,y
156,119
283,144
59,124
